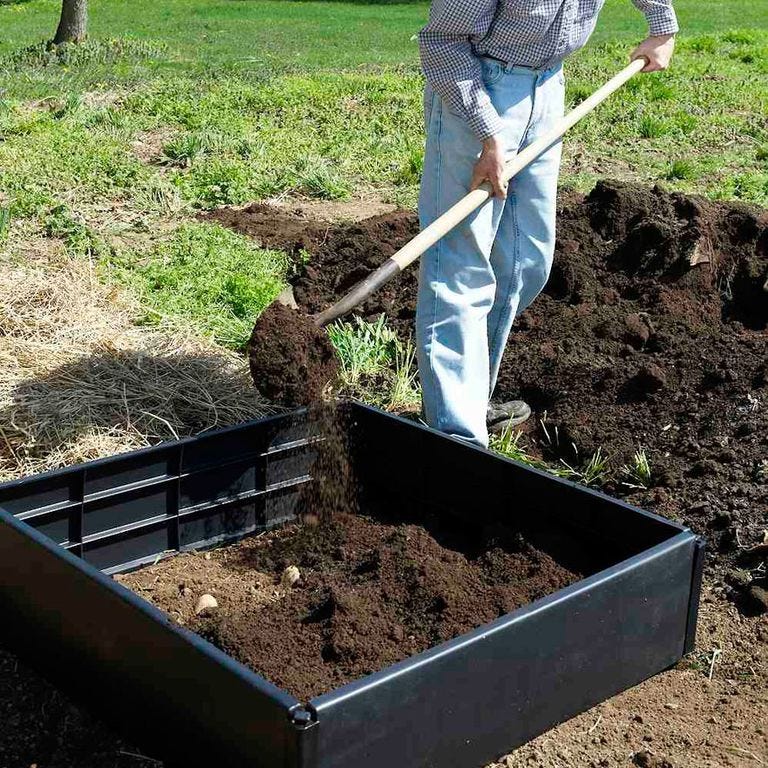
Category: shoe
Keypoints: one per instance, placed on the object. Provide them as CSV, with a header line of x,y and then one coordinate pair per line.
x,y
502,415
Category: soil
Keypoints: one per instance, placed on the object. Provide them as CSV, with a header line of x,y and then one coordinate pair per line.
x,y
650,334
291,359
371,592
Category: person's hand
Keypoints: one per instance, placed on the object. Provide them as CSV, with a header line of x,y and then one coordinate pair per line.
x,y
657,49
490,166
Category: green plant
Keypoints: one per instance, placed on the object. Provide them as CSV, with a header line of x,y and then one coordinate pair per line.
x,y
639,472
183,150
78,237
681,169
204,275
595,471
509,443
651,127
5,222
376,366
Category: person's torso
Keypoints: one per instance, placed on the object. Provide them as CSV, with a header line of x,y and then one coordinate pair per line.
x,y
538,33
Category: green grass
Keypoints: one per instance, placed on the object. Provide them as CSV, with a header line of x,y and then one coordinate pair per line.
x,y
251,99
376,366
206,277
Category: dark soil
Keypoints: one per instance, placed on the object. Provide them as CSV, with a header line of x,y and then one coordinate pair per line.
x,y
651,333
371,593
291,359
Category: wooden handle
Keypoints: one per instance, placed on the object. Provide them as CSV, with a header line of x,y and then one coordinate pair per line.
x,y
453,216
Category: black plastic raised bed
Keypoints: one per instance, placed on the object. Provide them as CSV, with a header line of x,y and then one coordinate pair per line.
x,y
459,704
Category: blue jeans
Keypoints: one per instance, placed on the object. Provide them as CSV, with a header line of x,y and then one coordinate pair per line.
x,y
479,277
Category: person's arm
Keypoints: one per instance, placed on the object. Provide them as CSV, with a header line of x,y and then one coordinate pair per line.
x,y
662,27
454,73
450,65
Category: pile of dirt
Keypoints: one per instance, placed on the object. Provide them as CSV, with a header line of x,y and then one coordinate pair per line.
x,y
370,593
291,359
651,334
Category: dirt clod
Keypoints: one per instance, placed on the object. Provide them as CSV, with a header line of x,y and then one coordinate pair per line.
x,y
291,359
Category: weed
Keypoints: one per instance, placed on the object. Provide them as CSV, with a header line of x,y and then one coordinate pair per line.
x,y
508,443
651,127
183,150
376,366
108,51
639,472
5,222
595,471
681,169
79,239
660,90
317,177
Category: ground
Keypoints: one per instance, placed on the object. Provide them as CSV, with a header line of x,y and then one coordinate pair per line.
x,y
124,302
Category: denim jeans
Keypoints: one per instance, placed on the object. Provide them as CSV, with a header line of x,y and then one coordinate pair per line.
x,y
480,276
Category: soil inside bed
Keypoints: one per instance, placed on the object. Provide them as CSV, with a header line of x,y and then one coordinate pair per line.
x,y
373,591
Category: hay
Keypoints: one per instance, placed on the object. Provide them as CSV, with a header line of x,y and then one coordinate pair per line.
x,y
79,380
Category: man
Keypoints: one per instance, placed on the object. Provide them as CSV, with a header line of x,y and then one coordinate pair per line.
x,y
494,84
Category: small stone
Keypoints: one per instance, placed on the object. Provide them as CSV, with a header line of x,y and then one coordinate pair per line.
x,y
206,603
645,759
651,378
638,719
671,705
290,576
207,556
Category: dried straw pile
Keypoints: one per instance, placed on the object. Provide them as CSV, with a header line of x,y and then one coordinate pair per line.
x,y
78,380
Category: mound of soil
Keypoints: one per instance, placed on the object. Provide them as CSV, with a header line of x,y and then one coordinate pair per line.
x,y
651,334
371,593
291,359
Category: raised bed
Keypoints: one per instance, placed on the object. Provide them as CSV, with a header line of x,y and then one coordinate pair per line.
x,y
461,703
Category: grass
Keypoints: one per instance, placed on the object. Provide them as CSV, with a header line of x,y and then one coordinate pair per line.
x,y
266,98
376,366
206,276
639,472
510,443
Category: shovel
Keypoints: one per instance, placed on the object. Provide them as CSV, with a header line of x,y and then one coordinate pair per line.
x,y
291,359
411,251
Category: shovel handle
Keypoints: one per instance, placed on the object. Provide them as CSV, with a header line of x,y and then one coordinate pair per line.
x,y
458,212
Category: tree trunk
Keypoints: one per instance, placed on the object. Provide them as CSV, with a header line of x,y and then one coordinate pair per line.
x,y
73,26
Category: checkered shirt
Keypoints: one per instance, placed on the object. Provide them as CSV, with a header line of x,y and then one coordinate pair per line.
x,y
528,33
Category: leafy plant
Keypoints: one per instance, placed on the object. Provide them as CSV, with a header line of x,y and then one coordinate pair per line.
x,y
5,222
205,275
681,169
651,127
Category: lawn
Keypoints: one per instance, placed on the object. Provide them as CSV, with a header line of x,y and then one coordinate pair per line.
x,y
184,105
